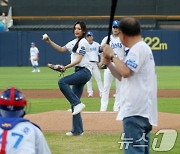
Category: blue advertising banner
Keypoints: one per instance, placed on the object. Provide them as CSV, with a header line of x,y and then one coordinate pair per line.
x,y
15,46
165,45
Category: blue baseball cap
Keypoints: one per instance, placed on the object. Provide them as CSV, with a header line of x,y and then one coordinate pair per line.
x,y
115,23
32,43
89,33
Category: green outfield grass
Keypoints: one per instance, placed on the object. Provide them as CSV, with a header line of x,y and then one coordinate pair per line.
x,y
168,77
23,78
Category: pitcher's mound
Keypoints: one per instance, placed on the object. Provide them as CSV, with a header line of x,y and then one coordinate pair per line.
x,y
95,121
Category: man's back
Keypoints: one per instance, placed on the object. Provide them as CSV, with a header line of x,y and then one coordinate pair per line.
x,y
139,92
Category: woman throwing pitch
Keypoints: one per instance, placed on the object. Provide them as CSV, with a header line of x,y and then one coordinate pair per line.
x,y
79,59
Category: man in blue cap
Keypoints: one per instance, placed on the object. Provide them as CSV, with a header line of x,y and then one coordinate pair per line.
x,y
94,59
119,49
34,57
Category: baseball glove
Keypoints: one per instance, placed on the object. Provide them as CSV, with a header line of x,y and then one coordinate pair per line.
x,y
58,68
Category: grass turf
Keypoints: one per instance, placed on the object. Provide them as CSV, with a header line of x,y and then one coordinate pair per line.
x,y
23,78
170,105
95,143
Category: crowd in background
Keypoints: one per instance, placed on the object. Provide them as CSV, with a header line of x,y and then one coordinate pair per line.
x,y
3,22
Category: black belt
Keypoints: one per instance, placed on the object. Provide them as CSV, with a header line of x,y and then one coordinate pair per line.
x,y
93,61
77,68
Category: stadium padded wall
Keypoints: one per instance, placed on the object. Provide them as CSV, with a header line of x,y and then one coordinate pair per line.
x,y
89,8
15,46
92,7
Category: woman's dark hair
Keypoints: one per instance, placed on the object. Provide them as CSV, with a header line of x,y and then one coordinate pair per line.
x,y
130,26
83,28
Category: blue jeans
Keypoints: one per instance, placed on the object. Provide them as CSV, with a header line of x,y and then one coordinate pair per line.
x,y
78,79
137,129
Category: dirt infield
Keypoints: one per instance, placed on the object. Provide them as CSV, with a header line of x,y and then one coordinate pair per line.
x,y
58,94
93,121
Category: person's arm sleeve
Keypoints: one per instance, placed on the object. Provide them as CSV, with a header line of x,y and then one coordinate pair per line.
x,y
41,143
68,46
134,60
82,48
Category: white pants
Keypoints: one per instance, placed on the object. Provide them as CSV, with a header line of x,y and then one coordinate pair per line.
x,y
97,76
108,78
34,62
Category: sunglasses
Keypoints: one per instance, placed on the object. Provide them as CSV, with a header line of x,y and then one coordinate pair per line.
x,y
115,26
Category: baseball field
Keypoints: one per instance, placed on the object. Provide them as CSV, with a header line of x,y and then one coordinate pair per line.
x,y
48,108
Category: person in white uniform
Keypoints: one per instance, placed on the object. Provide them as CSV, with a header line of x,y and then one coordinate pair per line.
x,y
119,49
18,135
138,86
34,52
94,59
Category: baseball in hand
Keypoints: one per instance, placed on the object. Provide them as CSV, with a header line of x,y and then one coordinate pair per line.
x,y
45,36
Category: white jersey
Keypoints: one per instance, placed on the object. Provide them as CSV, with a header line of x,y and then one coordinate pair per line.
x,y
94,51
83,48
139,92
119,49
116,45
94,58
33,52
25,138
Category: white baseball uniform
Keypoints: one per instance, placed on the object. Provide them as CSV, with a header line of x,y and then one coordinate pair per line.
x,y
33,54
139,92
83,43
119,49
94,59
23,138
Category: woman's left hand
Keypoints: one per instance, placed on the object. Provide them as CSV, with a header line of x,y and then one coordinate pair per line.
x,y
63,68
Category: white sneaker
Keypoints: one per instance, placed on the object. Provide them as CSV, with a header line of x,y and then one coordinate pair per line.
x,y
69,110
38,70
78,108
72,134
90,95
33,70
